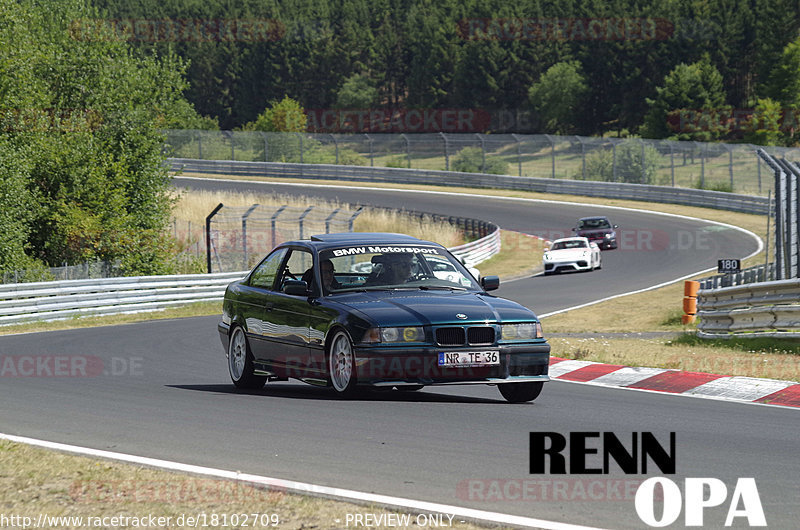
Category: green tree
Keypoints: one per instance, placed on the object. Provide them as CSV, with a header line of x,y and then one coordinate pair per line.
x,y
693,87
357,92
91,170
558,96
783,84
285,115
472,160
764,127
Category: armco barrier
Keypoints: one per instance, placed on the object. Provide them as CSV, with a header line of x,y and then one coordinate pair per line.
x,y
27,302
24,302
766,309
617,190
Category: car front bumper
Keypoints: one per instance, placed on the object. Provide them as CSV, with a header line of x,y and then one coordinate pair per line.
x,y
382,366
557,266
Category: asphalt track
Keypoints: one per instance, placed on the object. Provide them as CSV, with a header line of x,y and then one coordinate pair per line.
x,y
161,389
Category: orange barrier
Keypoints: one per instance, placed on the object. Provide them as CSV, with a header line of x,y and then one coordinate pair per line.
x,y
690,289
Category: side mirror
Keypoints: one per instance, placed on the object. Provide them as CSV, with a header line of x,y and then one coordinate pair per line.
x,y
490,283
616,226
295,288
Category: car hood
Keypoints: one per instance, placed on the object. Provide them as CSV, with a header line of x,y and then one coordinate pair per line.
x,y
406,308
568,253
595,233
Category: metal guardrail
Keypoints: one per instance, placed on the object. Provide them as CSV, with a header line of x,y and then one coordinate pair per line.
x,y
758,273
25,302
41,301
618,190
766,309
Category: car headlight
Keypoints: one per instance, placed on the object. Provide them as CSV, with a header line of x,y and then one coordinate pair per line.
x,y
521,331
404,334
609,236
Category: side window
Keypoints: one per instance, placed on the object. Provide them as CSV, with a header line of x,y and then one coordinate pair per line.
x,y
264,275
297,265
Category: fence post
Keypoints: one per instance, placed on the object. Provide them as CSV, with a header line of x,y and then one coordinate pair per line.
x,y
266,146
446,152
300,136
353,218
614,160
552,155
730,162
273,222
583,157
519,152
672,162
371,161
483,152
229,135
199,146
336,147
244,234
302,218
208,235
328,220
408,149
644,168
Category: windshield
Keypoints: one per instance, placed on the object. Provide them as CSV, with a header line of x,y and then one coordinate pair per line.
x,y
588,224
396,267
561,245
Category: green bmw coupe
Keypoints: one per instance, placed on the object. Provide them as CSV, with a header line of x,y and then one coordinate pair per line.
x,y
378,310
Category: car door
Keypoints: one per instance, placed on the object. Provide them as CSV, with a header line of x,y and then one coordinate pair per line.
x,y
254,299
288,319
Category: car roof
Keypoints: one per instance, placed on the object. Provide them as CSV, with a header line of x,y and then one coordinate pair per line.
x,y
593,218
333,240
576,238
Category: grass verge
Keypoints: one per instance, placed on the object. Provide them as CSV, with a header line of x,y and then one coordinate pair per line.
x,y
35,482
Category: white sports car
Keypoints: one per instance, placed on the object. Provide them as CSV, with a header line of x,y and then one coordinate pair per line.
x,y
571,254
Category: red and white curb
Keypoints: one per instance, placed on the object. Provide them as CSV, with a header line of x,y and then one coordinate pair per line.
x,y
696,384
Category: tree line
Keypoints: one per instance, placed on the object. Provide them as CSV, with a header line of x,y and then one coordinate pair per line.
x,y
685,69
81,162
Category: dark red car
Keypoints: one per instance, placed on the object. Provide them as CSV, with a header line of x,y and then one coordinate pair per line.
x,y
599,230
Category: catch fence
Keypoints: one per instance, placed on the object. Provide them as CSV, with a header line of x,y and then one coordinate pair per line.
x,y
683,164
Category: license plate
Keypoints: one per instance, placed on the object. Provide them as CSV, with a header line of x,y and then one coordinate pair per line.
x,y
469,358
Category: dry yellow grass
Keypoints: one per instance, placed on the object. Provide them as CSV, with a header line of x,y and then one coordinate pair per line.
x,y
35,482
193,206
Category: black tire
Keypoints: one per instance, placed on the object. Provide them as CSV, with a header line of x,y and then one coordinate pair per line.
x,y
240,362
342,365
521,392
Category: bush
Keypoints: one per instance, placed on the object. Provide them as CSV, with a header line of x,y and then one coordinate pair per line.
x,y
470,160
600,164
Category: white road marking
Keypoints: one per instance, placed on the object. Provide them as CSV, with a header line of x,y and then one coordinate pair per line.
x,y
303,487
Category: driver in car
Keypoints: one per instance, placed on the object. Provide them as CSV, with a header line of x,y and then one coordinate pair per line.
x,y
396,269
